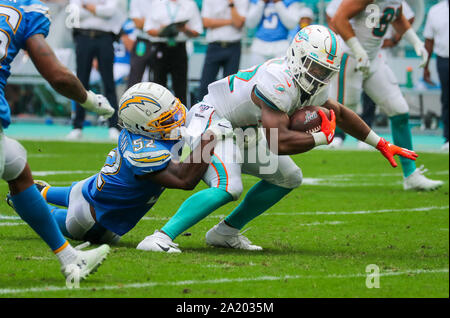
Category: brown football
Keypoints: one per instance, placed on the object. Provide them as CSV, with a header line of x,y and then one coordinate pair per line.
x,y
307,119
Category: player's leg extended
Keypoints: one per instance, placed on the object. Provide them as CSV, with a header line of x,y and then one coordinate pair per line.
x,y
382,87
276,183
279,174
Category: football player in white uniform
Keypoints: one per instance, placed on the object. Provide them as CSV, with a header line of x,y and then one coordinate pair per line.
x,y
363,67
265,95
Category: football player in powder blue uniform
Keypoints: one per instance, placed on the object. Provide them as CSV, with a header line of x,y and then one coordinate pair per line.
x,y
109,204
24,24
272,19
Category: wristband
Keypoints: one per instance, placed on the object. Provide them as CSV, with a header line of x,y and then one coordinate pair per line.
x,y
319,139
355,46
372,139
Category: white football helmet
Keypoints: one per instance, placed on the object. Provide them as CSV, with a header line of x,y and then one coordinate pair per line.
x,y
151,110
314,57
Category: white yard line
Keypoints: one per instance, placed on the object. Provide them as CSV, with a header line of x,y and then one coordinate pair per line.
x,y
6,291
11,224
420,209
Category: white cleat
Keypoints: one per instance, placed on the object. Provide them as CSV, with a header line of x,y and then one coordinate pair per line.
x,y
236,240
75,134
158,242
444,147
417,181
336,143
87,262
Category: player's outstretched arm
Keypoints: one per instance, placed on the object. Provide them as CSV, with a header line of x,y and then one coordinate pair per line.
x,y
352,124
290,142
186,175
62,79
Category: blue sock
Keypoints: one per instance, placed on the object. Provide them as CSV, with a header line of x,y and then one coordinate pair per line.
x,y
261,197
58,195
60,216
401,133
194,209
33,209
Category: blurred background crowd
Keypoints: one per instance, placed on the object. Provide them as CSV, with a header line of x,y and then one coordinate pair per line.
x,y
187,44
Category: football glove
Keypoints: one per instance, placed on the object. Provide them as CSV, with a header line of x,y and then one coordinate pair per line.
x,y
98,104
389,150
328,126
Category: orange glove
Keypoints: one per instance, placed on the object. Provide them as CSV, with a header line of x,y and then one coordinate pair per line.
x,y
328,126
389,151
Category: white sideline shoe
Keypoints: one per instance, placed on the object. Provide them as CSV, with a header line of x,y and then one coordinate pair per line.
x,y
417,181
236,240
445,147
114,134
158,242
75,134
336,143
87,262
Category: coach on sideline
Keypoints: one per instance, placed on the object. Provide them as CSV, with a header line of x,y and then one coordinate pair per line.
x,y
100,23
224,21
140,55
436,38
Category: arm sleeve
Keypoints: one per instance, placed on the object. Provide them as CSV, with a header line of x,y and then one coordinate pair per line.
x,y
255,13
276,90
106,10
289,15
37,19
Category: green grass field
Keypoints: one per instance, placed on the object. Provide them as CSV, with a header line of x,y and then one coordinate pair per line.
x,y
350,212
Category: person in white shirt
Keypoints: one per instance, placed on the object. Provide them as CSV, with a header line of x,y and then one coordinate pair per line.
x,y
436,39
170,24
140,54
100,23
272,19
224,21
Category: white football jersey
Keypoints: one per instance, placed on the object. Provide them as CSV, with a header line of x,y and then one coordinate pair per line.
x,y
371,24
231,96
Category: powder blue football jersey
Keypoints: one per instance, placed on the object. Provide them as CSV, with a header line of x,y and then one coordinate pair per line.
x,y
19,20
119,198
271,28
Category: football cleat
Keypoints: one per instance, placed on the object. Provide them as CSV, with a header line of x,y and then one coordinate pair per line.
x,y
237,241
158,242
417,181
445,147
87,262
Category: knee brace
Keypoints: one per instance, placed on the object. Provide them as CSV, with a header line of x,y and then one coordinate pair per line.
x,y
15,159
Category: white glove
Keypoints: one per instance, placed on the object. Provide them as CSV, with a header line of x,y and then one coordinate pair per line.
x,y
418,45
98,104
362,59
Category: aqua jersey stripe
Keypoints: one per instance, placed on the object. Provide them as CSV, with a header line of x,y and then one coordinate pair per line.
x,y
333,43
341,91
266,100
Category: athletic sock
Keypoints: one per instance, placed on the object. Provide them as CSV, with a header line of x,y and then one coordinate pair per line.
x,y
259,199
33,209
60,216
57,195
194,209
401,134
